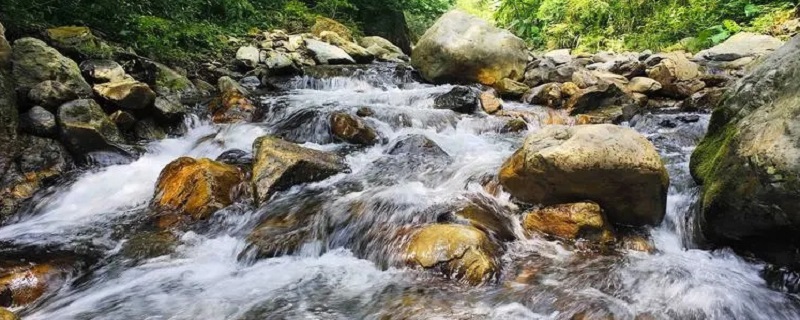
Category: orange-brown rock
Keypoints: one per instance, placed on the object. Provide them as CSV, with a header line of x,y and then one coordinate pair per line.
x,y
583,220
351,129
193,189
459,251
232,104
23,285
490,102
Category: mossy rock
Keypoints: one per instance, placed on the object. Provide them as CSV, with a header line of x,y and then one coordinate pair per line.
x,y
80,43
35,62
323,24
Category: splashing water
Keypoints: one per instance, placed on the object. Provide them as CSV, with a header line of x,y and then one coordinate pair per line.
x,y
346,268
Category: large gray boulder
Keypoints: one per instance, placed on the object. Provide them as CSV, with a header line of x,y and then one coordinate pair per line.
x,y
741,45
749,162
463,48
325,53
614,166
34,62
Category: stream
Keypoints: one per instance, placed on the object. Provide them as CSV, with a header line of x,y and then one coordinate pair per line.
x,y
345,267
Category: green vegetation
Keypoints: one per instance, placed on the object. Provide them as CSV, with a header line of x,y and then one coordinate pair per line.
x,y
590,25
181,30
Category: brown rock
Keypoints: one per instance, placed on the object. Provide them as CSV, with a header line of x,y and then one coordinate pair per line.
x,y
583,220
128,94
350,129
490,102
461,252
232,104
25,284
510,89
548,95
193,189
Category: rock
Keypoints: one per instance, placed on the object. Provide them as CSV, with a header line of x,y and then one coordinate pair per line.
x,y
232,104
511,89
514,125
570,89
417,144
546,72
250,82
490,102
123,119
460,99
611,165
40,161
482,54
327,54
102,71
350,129
635,242
51,94
39,122
582,220
323,24
236,157
80,43
280,165
486,215
388,23
148,245
289,225
126,95
643,85
148,130
383,49
23,285
365,112
279,63
193,189
559,57
749,161
602,97
35,62
707,99
741,45
9,118
168,82
548,95
460,252
86,128
5,48
358,53
167,111
5,314
248,57
678,76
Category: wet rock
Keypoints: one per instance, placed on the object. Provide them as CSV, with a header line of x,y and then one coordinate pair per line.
x,y
488,216
86,128
486,54
40,162
123,119
511,89
350,129
546,72
232,104
279,63
611,165
80,43
25,284
248,57
707,99
548,95
127,95
236,157
51,94
5,314
458,251
741,45
417,144
636,242
250,82
102,71
358,53
193,189
39,122
283,233
678,76
582,220
514,125
460,99
748,161
168,82
149,244
328,54
603,97
365,112
35,62
148,130
644,85
570,89
280,164
323,24
490,102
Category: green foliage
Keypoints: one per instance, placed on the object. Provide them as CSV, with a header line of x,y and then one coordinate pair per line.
x,y
590,25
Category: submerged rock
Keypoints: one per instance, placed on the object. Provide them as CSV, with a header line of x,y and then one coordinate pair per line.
x,y
749,162
583,220
352,129
459,251
281,164
460,99
611,165
463,48
25,284
34,62
193,189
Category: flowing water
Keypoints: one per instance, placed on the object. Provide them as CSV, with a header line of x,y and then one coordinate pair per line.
x,y
346,265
